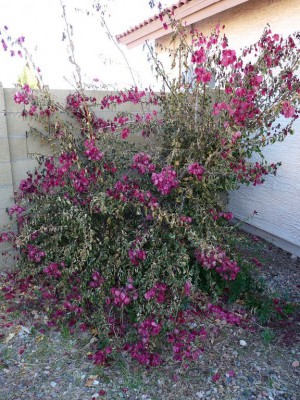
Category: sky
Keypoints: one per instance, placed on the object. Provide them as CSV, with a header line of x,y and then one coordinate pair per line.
x,y
41,22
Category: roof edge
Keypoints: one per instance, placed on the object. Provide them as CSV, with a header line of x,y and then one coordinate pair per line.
x,y
188,11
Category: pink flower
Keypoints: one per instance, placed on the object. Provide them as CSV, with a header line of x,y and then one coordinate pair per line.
x,y
7,237
235,137
187,288
92,152
185,220
216,377
17,209
165,181
229,57
218,260
120,297
202,75
125,133
287,109
197,170
97,280
142,163
199,56
136,255
34,253
53,270
4,45
157,292
100,357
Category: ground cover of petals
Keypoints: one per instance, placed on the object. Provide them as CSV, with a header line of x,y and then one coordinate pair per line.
x,y
252,360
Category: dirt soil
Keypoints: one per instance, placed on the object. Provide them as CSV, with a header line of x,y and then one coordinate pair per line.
x,y
236,364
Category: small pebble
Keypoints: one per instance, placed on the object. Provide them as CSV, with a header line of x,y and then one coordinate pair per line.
x,y
295,364
243,343
53,384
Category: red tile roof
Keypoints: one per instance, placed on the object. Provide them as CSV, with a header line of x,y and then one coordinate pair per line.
x,y
155,17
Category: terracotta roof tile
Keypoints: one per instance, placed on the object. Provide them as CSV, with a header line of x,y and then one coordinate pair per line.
x,y
155,17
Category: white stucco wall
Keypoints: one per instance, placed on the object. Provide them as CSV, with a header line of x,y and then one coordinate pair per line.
x,y
277,201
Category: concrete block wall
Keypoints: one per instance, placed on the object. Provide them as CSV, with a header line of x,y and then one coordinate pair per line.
x,y
6,181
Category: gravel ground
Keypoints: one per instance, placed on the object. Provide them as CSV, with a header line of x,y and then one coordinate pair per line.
x,y
237,364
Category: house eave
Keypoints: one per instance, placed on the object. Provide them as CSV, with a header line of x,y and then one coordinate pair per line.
x,y
189,13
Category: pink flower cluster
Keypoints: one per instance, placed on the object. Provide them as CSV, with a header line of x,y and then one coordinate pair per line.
x,y
220,313
53,270
70,307
220,214
157,292
127,190
136,256
199,56
4,45
287,109
97,280
67,160
218,260
123,296
22,97
142,163
228,57
121,120
16,209
101,356
183,343
185,220
125,133
7,237
134,96
235,137
187,288
81,180
120,297
79,106
53,176
202,75
34,253
197,170
92,152
141,354
247,173
149,327
166,180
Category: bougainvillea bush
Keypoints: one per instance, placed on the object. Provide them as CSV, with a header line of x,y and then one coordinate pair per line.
x,y
126,239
